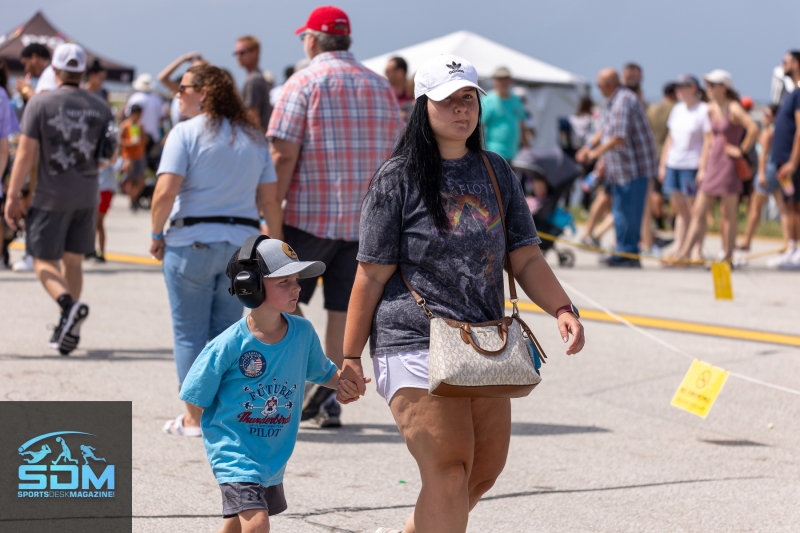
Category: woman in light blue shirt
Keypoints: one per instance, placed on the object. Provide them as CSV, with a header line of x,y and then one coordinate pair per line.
x,y
215,180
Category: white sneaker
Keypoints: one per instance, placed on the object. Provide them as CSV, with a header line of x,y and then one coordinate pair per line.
x,y
792,262
781,259
23,265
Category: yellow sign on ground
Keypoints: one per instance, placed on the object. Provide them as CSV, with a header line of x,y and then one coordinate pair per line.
x,y
699,388
723,290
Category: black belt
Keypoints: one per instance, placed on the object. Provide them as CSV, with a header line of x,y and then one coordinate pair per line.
x,y
191,221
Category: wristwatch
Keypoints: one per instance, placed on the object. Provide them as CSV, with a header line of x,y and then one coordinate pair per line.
x,y
569,308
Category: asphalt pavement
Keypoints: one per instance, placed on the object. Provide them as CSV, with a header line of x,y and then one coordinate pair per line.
x,y
596,447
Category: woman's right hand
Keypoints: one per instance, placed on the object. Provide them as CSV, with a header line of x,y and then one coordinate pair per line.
x,y
700,175
762,180
157,249
354,372
662,174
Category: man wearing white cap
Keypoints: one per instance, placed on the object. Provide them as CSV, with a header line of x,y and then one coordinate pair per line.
x,y
67,127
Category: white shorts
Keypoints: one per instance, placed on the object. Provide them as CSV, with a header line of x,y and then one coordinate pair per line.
x,y
400,370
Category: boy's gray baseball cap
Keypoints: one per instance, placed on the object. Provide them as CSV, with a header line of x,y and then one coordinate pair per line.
x,y
277,259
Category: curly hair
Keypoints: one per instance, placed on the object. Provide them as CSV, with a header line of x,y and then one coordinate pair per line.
x,y
223,101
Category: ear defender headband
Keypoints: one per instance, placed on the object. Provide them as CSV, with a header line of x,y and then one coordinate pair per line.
x,y
248,285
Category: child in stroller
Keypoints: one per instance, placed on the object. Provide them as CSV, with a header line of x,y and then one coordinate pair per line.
x,y
547,176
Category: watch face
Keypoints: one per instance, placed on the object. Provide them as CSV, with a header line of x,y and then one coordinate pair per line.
x,y
575,310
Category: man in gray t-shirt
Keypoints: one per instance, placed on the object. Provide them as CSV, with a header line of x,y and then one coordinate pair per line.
x,y
255,93
66,127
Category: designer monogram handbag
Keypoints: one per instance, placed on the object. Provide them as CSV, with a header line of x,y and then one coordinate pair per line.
x,y
486,360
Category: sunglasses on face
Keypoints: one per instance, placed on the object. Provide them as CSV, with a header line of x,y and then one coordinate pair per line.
x,y
302,35
238,53
182,88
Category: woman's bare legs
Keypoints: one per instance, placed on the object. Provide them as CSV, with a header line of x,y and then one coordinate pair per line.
x,y
729,207
683,217
697,225
600,206
460,445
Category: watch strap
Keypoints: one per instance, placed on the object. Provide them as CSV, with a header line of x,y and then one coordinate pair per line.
x,y
569,308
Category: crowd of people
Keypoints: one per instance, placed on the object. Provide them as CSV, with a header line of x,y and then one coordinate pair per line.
x,y
371,181
697,147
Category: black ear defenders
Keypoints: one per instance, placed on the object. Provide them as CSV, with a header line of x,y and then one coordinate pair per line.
x,y
248,285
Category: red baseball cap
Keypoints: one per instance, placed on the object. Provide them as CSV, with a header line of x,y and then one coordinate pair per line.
x,y
327,19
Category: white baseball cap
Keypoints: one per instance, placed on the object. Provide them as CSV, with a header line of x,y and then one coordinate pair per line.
x,y
719,76
69,57
444,75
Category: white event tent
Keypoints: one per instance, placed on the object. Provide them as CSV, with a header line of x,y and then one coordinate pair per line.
x,y
551,92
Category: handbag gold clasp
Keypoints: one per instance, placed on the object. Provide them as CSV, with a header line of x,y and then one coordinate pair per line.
x,y
515,311
424,307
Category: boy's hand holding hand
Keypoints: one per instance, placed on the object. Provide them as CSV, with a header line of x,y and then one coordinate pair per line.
x,y
347,391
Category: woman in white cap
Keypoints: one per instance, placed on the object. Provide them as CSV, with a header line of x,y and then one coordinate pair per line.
x,y
734,135
432,212
685,151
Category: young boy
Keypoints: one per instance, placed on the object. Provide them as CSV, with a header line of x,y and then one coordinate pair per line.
x,y
250,382
132,143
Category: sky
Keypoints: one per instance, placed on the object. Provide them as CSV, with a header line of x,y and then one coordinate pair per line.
x,y
582,36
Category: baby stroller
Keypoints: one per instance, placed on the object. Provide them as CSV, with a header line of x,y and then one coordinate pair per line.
x,y
546,175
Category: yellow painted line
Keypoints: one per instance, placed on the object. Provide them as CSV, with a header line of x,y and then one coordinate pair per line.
x,y
588,314
116,258
680,326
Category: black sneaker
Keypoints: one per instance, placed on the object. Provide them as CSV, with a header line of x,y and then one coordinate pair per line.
x,y
615,261
57,331
314,400
99,258
663,243
70,334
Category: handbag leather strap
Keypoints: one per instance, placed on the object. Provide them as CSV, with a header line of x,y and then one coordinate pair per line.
x,y
511,283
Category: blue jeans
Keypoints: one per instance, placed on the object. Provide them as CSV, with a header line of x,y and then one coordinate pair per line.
x,y
627,205
198,297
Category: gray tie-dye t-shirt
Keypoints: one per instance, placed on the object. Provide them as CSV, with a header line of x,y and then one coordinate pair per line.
x,y
459,272
68,124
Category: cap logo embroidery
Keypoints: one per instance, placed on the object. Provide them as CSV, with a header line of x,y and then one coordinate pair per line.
x,y
454,67
288,251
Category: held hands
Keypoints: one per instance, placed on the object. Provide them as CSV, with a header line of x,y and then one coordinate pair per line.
x,y
569,324
347,391
352,383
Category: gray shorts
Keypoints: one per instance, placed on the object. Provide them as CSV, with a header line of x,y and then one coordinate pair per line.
x,y
136,170
238,497
48,234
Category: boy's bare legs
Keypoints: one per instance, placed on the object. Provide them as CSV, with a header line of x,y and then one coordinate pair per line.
x,y
253,521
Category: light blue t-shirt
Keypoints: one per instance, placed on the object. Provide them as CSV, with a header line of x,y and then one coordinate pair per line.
x,y
252,394
501,123
221,174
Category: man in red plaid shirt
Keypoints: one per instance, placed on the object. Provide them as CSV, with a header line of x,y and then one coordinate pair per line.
x,y
333,126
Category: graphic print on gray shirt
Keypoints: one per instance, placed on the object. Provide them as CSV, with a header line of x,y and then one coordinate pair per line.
x,y
459,272
68,124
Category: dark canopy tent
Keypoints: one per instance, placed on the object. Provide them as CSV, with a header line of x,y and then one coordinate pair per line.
x,y
39,30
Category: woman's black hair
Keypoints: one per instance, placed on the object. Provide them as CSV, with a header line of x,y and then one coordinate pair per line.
x,y
419,154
